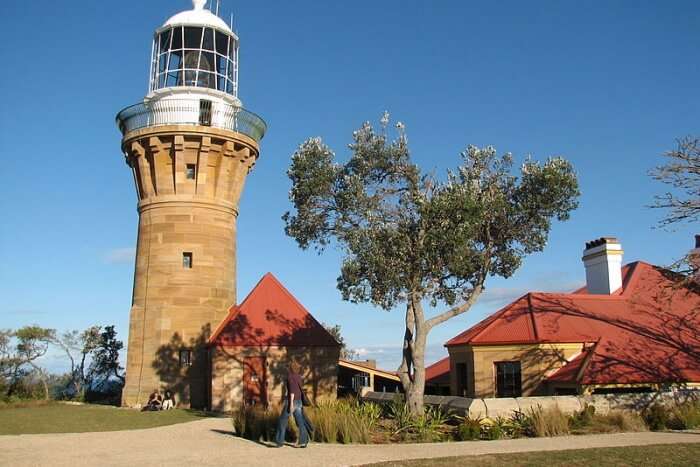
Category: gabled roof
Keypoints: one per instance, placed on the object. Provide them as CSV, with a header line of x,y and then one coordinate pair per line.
x,y
645,332
271,316
438,372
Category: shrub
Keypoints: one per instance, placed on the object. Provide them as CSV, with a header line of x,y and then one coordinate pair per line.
x,y
583,418
342,421
469,429
623,421
549,422
521,425
656,417
494,429
685,416
255,423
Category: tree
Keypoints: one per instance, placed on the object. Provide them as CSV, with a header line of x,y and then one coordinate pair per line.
x,y
33,343
682,173
409,239
78,346
105,360
345,352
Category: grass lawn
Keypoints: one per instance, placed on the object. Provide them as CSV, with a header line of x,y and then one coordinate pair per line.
x,y
657,455
64,418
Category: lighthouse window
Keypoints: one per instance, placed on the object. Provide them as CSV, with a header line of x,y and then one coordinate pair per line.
x,y
177,39
221,43
193,37
191,171
187,260
165,41
208,42
194,56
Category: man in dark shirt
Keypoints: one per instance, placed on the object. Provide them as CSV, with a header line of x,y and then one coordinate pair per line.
x,y
292,405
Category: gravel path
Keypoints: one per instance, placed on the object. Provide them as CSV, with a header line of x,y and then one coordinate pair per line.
x,y
209,442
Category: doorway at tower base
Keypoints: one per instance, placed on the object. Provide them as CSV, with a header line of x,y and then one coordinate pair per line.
x,y
251,350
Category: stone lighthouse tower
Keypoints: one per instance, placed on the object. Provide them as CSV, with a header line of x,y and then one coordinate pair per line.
x,y
190,145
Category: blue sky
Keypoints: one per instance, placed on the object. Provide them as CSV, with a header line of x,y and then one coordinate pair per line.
x,y
609,85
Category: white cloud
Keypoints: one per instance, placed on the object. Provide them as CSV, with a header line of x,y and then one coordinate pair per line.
x,y
120,255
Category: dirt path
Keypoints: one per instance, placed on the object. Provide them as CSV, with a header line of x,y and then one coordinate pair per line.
x,y
209,442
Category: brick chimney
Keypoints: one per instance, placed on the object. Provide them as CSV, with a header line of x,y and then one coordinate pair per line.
x,y
603,261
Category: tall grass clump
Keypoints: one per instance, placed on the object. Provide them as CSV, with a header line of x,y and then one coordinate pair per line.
x,y
255,423
685,416
549,422
342,421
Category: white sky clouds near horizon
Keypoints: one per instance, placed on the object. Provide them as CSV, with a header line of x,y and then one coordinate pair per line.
x,y
539,78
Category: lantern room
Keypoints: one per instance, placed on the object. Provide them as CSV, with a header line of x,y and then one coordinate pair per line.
x,y
195,48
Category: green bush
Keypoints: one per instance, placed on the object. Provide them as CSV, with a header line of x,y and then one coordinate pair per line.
x,y
656,417
685,416
521,425
342,421
469,429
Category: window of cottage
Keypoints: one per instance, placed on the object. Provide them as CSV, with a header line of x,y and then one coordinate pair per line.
x,y
508,379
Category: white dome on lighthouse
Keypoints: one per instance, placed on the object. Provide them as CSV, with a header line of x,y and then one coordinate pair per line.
x,y
198,16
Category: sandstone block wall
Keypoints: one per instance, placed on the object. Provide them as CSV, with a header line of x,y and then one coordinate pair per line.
x,y
319,371
188,182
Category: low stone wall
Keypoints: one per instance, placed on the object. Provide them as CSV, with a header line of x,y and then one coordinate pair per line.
x,y
504,407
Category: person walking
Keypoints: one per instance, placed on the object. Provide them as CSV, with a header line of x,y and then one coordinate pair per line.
x,y
292,405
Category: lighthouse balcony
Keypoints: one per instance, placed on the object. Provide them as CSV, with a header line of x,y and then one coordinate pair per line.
x,y
191,111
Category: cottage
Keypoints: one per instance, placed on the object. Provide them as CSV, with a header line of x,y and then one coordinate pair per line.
x,y
631,328
250,349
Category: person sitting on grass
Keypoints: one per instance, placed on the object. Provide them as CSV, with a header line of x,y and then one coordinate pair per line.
x,y
168,401
155,401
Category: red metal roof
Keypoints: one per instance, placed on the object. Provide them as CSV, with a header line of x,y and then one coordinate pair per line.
x,y
438,372
645,332
271,316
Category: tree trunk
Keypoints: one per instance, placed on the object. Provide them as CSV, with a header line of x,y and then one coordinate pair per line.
x,y
412,369
42,377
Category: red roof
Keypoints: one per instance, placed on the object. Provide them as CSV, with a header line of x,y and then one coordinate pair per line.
x,y
438,372
646,332
270,316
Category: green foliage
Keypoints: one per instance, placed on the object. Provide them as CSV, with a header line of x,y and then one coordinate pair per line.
x,y
656,417
404,232
408,237
588,421
522,425
469,429
685,416
105,360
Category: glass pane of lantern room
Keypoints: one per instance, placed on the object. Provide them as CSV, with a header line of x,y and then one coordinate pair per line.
x,y
164,41
193,37
221,64
191,59
177,38
206,80
175,60
206,61
208,42
221,43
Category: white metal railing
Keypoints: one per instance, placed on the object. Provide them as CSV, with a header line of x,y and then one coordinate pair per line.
x,y
191,112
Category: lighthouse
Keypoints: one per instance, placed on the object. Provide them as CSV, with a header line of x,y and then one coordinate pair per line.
x,y
190,145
